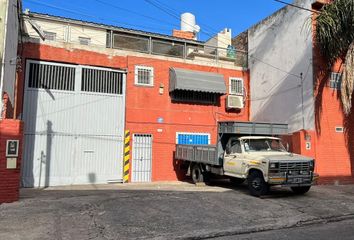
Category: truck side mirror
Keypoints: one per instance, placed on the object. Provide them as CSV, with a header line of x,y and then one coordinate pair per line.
x,y
287,147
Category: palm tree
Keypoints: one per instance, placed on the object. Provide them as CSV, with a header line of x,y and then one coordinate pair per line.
x,y
334,37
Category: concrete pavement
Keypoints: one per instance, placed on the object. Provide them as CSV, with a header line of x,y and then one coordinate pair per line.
x,y
167,211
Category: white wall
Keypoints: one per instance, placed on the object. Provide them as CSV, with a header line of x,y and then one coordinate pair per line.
x,y
8,74
283,41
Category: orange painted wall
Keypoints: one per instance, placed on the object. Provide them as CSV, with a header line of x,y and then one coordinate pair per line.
x,y
144,105
334,150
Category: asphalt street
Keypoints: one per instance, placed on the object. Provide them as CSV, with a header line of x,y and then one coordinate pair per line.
x,y
342,230
174,211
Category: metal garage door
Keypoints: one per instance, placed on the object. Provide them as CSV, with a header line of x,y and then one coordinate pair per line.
x,y
74,124
142,158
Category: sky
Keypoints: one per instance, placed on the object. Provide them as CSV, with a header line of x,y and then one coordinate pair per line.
x,y
162,16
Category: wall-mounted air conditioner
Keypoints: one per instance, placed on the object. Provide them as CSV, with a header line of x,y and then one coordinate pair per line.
x,y
233,101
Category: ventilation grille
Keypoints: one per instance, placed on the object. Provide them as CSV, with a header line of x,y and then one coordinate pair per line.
x,y
101,81
48,76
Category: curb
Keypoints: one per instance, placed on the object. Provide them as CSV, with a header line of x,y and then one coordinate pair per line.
x,y
241,231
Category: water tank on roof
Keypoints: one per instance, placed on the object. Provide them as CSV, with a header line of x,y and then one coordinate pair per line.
x,y
188,23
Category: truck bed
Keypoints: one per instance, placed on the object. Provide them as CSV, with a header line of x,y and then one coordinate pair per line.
x,y
197,153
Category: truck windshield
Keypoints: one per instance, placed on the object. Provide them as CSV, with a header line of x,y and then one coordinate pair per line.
x,y
263,145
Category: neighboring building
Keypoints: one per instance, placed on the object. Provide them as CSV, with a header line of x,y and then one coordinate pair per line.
x,y
85,84
9,28
10,129
284,89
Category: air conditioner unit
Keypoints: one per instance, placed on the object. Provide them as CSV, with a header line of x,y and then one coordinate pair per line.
x,y
233,101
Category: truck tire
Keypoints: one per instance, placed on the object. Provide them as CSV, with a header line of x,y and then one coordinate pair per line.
x,y
256,184
197,173
236,181
300,190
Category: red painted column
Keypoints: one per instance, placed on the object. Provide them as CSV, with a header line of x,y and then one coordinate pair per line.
x,y
10,178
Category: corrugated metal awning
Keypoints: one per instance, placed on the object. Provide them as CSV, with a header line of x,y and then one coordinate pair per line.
x,y
182,79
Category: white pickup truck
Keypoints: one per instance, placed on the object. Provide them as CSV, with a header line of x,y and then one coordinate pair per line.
x,y
262,160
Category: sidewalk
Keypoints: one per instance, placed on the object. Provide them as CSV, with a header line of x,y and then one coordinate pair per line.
x,y
166,210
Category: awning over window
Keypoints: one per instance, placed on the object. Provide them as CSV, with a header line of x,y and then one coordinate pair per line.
x,y
182,79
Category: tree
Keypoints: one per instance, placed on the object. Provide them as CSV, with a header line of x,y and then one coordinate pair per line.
x,y
335,39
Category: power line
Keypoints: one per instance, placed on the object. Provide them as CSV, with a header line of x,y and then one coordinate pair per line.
x,y
296,6
268,64
133,12
91,16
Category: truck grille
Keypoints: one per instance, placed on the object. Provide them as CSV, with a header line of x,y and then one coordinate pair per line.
x,y
294,166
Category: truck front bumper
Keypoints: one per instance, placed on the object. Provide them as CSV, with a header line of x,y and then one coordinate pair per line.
x,y
293,180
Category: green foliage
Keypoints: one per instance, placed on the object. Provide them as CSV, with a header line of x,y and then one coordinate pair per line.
x,y
335,38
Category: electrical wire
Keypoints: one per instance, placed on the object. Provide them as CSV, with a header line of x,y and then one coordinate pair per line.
x,y
135,13
176,16
296,6
93,16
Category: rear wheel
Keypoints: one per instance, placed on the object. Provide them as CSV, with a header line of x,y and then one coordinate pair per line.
x,y
256,184
300,190
197,173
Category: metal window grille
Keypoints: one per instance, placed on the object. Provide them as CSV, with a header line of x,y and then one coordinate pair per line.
x,y
50,35
101,81
84,40
194,97
144,75
236,86
48,76
335,80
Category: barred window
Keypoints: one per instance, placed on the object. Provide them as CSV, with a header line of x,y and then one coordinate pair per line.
x,y
50,76
101,81
236,86
335,80
84,40
144,75
50,35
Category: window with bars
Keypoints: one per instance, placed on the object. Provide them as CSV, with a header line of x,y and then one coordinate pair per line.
x,y
236,86
101,81
48,76
84,40
194,97
144,76
335,80
50,35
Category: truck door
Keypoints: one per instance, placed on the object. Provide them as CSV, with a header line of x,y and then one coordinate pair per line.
x,y
233,158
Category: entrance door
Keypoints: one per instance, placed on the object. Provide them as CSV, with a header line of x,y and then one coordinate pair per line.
x,y
142,158
233,157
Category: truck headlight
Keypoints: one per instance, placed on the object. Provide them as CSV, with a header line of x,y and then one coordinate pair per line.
x,y
312,165
273,165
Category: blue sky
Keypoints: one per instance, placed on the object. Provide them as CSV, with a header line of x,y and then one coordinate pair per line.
x,y
161,16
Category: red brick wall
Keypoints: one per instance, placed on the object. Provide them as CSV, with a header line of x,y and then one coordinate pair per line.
x,y
10,178
144,104
183,34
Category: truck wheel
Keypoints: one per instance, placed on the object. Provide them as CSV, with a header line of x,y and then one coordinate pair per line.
x,y
197,173
236,181
256,184
300,190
